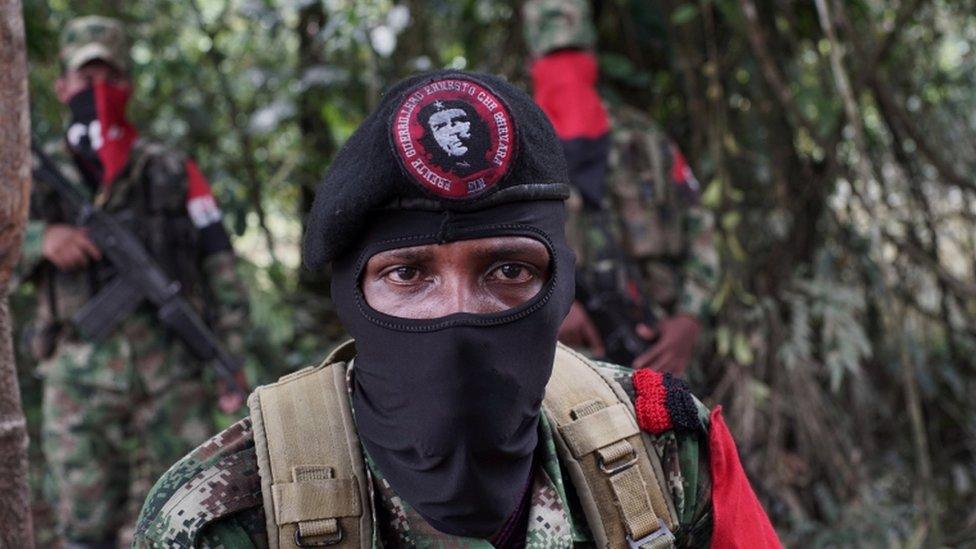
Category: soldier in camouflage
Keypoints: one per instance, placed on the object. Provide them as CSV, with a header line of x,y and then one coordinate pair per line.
x,y
212,497
454,281
118,412
635,207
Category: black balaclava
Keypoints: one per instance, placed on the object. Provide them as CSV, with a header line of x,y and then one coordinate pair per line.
x,y
448,408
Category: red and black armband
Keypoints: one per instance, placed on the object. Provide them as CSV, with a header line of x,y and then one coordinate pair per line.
x,y
204,212
664,403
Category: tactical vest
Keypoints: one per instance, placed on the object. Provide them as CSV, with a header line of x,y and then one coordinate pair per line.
x,y
644,215
641,188
148,197
316,490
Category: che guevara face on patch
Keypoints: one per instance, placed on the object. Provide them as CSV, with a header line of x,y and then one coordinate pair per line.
x,y
454,137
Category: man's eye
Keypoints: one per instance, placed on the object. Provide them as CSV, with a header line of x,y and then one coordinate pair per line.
x,y
512,272
404,274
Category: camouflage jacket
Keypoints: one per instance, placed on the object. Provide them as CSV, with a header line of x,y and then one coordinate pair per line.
x,y
652,209
174,214
212,497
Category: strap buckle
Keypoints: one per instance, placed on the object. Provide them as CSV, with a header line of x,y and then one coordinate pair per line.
x,y
328,539
658,539
612,469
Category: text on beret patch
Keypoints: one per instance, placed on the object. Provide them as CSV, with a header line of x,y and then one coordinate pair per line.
x,y
454,137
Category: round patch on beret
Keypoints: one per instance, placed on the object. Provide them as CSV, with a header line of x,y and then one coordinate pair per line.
x,y
454,137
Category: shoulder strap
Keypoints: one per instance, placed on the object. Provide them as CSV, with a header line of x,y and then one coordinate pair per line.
x,y
616,472
139,157
162,172
312,475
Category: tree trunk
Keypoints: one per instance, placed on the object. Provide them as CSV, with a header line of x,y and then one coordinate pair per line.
x,y
15,518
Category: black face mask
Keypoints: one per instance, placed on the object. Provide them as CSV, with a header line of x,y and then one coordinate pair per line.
x,y
80,134
448,408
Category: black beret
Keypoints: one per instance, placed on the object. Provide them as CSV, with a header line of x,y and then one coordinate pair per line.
x,y
441,140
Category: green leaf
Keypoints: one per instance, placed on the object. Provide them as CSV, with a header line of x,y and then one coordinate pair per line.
x,y
741,350
760,391
712,196
723,339
731,220
684,14
725,290
616,66
738,252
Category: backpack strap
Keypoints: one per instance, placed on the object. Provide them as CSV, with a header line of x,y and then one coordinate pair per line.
x,y
313,480
615,470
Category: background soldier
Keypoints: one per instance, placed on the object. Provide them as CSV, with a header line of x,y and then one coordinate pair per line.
x,y
647,263
477,430
119,411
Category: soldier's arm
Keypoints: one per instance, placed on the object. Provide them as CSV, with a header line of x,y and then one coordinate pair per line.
x,y
49,236
43,209
217,262
700,273
210,498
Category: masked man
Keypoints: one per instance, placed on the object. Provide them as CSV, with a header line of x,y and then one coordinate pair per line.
x,y
643,239
119,411
454,420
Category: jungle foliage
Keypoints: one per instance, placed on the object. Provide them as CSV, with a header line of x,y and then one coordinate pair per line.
x,y
836,141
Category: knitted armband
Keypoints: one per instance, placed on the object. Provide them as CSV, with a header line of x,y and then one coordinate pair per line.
x,y
663,403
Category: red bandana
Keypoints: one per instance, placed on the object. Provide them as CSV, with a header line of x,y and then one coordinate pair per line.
x,y
118,134
565,87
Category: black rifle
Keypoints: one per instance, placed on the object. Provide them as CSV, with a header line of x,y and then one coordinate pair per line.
x,y
614,313
138,279
616,308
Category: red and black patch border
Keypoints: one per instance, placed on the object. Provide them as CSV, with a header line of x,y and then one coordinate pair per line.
x,y
502,171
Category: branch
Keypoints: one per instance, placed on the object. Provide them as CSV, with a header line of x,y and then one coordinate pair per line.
x,y
961,288
872,75
253,182
888,40
877,56
757,40
893,109
843,84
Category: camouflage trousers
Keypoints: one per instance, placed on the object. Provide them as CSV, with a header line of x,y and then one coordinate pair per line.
x,y
116,416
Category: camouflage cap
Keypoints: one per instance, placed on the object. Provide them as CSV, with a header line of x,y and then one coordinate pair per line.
x,y
93,37
554,24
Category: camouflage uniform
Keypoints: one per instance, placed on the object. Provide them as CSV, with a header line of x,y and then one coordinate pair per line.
x,y
212,498
651,207
117,413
